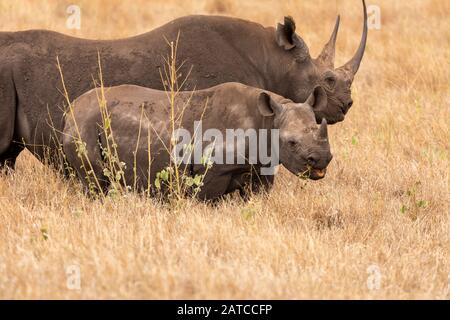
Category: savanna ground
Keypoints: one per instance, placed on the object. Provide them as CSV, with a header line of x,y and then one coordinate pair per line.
x,y
378,226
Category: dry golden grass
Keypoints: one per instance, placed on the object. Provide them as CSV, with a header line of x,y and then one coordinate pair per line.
x,y
313,240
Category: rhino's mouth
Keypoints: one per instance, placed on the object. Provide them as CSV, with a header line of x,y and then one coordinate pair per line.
x,y
316,174
313,173
332,118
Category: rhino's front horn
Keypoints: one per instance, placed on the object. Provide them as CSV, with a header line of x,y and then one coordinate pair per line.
x,y
323,130
326,57
353,65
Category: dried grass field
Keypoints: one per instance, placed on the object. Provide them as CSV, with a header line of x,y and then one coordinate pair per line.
x,y
377,227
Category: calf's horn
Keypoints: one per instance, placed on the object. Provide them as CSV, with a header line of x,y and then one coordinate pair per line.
x,y
323,130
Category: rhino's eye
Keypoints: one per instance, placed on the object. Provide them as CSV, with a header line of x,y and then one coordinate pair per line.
x,y
292,143
330,81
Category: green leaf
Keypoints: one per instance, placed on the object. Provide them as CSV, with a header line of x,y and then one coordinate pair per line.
x,y
422,204
403,209
198,180
44,233
189,181
164,175
248,213
106,172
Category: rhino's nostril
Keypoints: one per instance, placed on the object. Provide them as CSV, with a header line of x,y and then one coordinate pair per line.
x,y
350,103
330,157
312,160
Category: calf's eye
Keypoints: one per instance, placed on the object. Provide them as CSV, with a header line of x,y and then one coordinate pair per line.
x,y
292,143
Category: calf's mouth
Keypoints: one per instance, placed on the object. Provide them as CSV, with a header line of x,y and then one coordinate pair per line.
x,y
316,174
313,173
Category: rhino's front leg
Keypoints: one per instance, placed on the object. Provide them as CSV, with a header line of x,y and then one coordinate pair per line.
x,y
215,183
215,187
8,158
263,183
253,184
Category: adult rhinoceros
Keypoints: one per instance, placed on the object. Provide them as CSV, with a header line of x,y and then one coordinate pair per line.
x,y
220,49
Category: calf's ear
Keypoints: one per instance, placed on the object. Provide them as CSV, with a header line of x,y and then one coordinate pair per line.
x,y
285,33
318,99
267,106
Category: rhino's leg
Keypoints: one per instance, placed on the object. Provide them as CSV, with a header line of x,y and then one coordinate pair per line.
x,y
8,149
215,184
259,184
8,158
263,183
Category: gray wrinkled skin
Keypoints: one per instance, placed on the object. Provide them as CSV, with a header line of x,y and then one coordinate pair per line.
x,y
304,147
219,50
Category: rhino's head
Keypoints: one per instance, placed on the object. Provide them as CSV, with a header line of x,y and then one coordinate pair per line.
x,y
303,73
303,146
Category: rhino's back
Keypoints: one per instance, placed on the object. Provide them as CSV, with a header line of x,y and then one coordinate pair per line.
x,y
129,103
119,100
206,44
208,57
204,48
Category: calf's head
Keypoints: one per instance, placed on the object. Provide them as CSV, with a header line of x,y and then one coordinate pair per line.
x,y
302,73
303,146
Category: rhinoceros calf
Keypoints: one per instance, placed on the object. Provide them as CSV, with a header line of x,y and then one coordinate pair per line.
x,y
215,50
138,115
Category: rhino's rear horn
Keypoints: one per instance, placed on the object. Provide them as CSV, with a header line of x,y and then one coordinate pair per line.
x,y
353,65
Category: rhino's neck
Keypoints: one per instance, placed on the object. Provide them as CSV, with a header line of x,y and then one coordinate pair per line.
x,y
258,48
274,64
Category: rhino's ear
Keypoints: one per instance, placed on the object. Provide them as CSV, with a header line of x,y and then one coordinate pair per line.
x,y
267,106
285,33
318,99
